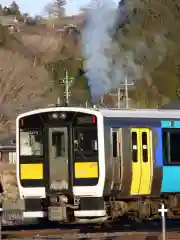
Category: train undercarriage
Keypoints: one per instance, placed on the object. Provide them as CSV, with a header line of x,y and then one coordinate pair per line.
x,y
62,209
144,208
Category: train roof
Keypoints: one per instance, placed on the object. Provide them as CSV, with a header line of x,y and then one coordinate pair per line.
x,y
113,112
55,109
140,113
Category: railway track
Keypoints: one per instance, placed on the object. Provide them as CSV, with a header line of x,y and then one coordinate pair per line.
x,y
72,234
149,230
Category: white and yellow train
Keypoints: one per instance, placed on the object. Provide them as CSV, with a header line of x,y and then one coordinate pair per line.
x,y
96,163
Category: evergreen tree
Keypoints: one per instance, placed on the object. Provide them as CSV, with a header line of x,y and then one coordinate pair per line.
x,y
14,8
1,10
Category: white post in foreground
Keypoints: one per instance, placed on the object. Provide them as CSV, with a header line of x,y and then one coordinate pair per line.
x,y
163,210
1,212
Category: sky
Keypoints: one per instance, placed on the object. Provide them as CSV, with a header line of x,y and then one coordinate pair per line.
x,y
35,7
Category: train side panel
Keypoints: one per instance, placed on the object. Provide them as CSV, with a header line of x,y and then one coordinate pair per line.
x,y
171,166
140,173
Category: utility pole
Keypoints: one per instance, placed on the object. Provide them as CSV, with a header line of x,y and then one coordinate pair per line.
x,y
119,98
66,81
124,87
126,92
102,100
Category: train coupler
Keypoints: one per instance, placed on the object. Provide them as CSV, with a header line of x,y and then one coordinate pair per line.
x,y
57,213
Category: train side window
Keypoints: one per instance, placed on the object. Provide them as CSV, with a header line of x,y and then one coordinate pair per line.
x,y
115,150
116,142
171,140
145,147
59,144
134,147
166,146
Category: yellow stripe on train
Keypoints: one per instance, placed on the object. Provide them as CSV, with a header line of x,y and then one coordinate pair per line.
x,y
31,171
86,170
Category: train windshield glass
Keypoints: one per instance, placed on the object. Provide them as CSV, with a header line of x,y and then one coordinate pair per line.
x,y
31,143
85,142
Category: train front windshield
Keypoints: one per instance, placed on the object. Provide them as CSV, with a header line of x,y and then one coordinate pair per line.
x,y
84,139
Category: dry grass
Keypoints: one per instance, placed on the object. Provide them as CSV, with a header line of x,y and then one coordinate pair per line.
x,y
22,85
44,46
8,178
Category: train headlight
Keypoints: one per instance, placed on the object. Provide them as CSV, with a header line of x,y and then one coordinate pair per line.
x,y
55,116
62,115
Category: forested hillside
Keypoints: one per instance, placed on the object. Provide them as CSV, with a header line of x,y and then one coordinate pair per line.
x,y
154,38
34,52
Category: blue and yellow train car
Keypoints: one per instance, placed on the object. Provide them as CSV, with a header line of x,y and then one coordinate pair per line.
x,y
142,158
98,162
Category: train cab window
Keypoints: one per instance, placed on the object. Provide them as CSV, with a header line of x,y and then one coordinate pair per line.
x,y
134,147
85,142
145,147
31,143
171,145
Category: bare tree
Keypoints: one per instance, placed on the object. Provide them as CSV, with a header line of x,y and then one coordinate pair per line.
x,y
49,10
22,85
55,9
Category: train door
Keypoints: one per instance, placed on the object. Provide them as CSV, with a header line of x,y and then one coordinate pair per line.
x,y
142,162
136,161
58,158
146,161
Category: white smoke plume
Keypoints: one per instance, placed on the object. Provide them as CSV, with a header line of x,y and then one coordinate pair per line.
x,y
107,62
104,70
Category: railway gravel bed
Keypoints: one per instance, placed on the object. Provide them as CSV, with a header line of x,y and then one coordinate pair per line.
x,y
123,230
